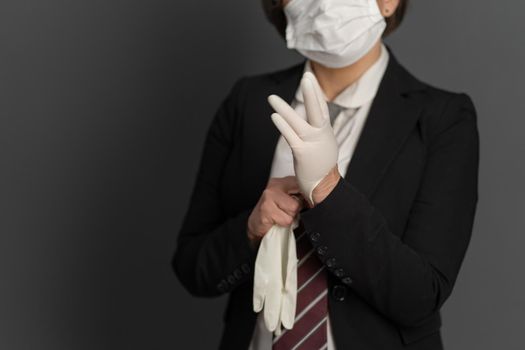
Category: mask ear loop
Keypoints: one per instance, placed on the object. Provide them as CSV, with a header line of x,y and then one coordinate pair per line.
x,y
275,13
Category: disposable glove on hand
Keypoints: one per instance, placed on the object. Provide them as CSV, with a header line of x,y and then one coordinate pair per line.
x,y
315,152
275,278
313,143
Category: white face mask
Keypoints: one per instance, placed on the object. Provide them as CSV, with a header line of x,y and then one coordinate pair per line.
x,y
335,33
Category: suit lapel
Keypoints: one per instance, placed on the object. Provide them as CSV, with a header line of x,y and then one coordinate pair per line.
x,y
391,118
266,135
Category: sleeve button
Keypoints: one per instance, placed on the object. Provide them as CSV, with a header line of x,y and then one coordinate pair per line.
x,y
231,279
330,262
245,268
237,273
322,250
347,280
314,236
222,286
339,272
339,293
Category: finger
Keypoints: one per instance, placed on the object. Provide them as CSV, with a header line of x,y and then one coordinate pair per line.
x,y
298,124
288,204
288,184
282,218
285,129
315,101
299,198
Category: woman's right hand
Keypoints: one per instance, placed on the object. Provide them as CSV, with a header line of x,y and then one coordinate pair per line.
x,y
280,202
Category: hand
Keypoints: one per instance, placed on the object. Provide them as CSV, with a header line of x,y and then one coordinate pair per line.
x,y
278,204
275,277
313,142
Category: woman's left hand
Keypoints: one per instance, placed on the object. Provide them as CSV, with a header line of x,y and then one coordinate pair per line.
x,y
312,141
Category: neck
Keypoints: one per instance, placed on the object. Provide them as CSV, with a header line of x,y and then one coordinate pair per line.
x,y
335,80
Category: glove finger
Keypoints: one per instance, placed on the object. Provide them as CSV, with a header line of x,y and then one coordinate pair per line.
x,y
258,302
290,287
272,308
298,124
262,270
318,99
278,331
285,129
272,304
289,303
312,105
288,310
260,282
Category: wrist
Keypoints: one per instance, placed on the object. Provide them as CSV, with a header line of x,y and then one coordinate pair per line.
x,y
325,187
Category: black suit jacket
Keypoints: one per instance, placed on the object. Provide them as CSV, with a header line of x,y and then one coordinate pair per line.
x,y
392,233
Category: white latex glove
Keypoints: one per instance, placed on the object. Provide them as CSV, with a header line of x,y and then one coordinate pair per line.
x,y
313,143
289,293
275,278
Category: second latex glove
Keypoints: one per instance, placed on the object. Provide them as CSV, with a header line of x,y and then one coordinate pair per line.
x,y
313,143
275,278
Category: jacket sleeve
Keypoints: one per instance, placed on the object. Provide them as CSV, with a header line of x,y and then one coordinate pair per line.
x,y
213,253
407,279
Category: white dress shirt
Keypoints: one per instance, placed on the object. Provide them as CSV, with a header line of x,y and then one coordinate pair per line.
x,y
355,102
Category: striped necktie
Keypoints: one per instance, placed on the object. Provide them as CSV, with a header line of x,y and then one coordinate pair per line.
x,y
309,330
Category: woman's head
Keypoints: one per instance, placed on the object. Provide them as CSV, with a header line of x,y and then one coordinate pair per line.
x,y
392,10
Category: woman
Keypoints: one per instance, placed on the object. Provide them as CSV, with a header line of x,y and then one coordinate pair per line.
x,y
382,233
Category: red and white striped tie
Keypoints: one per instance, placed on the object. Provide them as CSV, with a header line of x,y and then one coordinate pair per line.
x,y
311,317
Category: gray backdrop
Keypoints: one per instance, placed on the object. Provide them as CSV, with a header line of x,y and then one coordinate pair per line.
x,y
104,106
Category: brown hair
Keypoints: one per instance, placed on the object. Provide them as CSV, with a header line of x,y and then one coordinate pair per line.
x,y
274,12
395,20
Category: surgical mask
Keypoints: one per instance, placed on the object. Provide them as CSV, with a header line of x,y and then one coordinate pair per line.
x,y
334,33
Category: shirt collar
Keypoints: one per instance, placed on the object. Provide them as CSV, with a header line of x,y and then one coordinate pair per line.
x,y
361,91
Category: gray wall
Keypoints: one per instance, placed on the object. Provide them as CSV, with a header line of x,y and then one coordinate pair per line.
x,y
103,109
